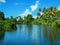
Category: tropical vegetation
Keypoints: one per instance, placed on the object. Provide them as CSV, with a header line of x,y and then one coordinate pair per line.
x,y
49,16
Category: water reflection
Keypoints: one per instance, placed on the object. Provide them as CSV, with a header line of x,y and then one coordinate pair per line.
x,y
38,34
33,35
52,35
55,36
1,35
2,32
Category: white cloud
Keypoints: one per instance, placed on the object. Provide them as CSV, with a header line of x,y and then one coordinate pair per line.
x,y
25,13
3,1
58,8
41,13
35,17
34,7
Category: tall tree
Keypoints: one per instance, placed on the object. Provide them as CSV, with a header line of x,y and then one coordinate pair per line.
x,y
29,18
2,16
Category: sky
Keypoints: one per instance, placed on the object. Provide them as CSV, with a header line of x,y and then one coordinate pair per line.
x,y
23,7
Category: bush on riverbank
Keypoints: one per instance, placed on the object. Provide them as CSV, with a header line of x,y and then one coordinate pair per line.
x,y
7,23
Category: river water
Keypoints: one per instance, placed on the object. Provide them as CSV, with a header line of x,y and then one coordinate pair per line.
x,y
31,35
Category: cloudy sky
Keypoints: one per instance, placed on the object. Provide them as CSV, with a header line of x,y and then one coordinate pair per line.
x,y
23,7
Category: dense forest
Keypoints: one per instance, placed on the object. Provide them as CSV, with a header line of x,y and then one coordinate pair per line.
x,y
7,23
50,16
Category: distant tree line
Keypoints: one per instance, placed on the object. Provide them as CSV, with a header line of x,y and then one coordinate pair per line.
x,y
49,16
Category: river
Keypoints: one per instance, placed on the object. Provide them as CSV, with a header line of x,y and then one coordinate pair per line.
x,y
31,35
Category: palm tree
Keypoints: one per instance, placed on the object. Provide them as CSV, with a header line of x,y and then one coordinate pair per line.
x,y
50,12
45,11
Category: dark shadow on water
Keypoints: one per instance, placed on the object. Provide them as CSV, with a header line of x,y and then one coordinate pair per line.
x,y
2,33
53,35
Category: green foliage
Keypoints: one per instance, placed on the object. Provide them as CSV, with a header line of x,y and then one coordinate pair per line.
x,y
1,16
20,20
28,18
10,23
1,25
7,23
2,34
50,16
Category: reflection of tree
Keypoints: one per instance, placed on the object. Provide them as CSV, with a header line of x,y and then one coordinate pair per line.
x,y
47,30
52,35
40,34
19,27
36,34
55,35
29,29
1,34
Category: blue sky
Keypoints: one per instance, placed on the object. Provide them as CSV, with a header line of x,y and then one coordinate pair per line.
x,y
22,7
